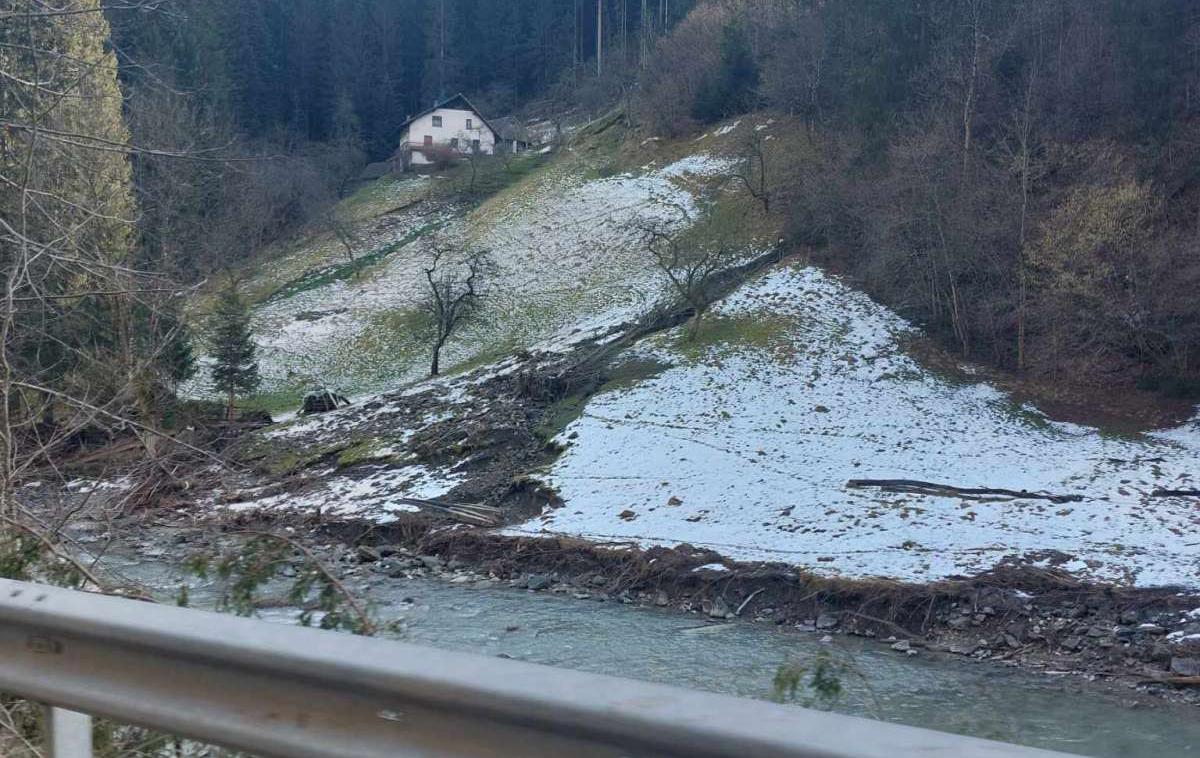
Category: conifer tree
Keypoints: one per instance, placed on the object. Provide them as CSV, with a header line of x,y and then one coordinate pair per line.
x,y
235,368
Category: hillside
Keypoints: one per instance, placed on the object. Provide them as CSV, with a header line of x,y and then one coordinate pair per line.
x,y
566,244
742,440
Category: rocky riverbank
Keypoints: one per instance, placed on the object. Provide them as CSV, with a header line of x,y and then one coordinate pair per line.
x,y
1143,645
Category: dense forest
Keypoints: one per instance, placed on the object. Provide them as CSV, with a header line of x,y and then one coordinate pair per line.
x,y
324,69
1021,176
316,87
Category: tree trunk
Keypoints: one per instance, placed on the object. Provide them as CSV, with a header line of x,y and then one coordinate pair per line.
x,y
229,409
647,26
442,50
435,363
599,37
972,83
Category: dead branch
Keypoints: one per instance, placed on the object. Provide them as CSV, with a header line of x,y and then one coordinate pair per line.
x,y
367,625
931,488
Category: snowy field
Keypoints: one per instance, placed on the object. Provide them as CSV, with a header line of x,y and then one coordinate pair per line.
x,y
747,445
567,251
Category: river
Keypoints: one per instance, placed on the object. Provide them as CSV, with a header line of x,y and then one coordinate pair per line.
x,y
741,658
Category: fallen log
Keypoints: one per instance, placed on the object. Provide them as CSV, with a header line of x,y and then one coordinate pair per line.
x,y
1175,493
479,515
1174,681
932,488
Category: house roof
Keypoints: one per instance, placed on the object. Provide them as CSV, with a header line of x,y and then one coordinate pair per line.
x,y
460,100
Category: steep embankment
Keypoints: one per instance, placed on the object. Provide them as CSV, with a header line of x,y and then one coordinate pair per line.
x,y
800,384
742,441
566,246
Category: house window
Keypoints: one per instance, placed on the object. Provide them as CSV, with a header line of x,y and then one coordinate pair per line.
x,y
428,140
469,126
454,142
475,145
437,121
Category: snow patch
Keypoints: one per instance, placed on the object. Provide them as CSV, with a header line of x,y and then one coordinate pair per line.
x,y
759,440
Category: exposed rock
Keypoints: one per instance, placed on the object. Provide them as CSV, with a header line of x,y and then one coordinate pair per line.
x,y
718,609
1181,666
827,621
963,648
903,646
662,599
538,581
1018,630
368,554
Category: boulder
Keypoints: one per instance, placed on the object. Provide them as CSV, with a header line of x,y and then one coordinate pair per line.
x,y
1181,666
368,554
538,581
718,609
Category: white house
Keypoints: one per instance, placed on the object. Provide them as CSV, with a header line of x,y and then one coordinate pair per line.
x,y
453,125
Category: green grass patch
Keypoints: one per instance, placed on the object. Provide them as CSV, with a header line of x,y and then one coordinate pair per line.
x,y
764,331
347,269
275,402
492,175
1025,415
624,375
364,451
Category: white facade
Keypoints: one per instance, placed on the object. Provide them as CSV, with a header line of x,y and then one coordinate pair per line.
x,y
462,130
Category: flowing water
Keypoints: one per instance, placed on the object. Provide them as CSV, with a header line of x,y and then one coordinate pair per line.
x,y
980,699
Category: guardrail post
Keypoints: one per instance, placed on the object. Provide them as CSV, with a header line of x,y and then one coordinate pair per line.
x,y
69,733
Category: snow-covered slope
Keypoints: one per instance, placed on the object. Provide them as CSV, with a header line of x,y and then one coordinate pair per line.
x,y
746,446
743,441
567,250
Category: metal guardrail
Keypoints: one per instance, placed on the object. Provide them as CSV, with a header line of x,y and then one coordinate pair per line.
x,y
277,690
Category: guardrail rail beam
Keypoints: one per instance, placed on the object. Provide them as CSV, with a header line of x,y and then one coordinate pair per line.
x,y
278,690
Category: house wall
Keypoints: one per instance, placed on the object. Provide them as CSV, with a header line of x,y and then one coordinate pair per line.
x,y
454,124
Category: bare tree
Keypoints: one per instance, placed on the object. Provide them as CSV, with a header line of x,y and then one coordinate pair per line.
x,y
455,293
341,225
751,169
690,260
